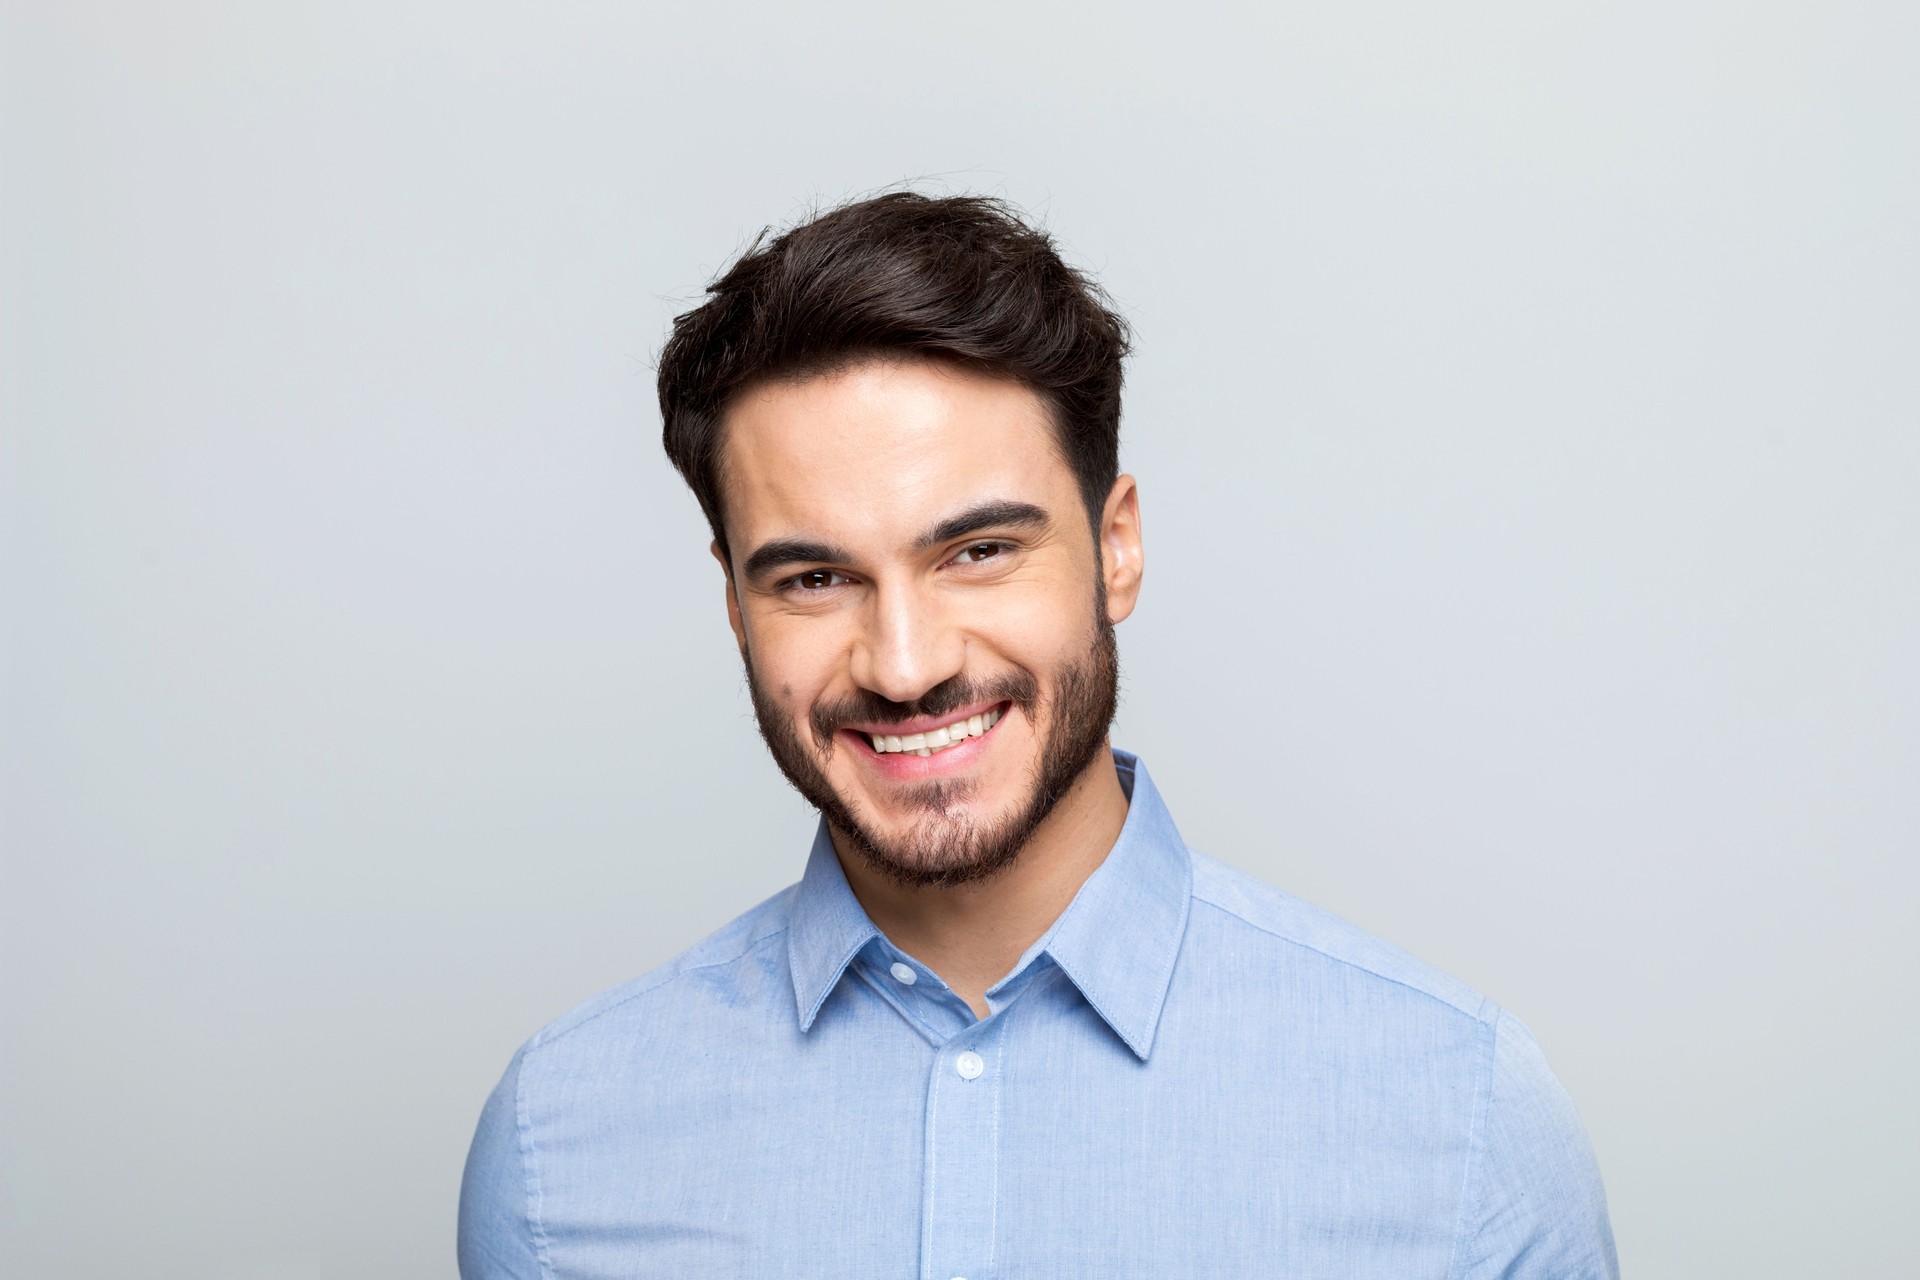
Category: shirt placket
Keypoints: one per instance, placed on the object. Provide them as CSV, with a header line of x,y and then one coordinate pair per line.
x,y
962,1175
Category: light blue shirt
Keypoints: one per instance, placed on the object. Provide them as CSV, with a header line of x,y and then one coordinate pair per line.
x,y
1191,1074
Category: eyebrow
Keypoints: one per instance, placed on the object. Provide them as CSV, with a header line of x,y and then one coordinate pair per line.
x,y
769,556
995,513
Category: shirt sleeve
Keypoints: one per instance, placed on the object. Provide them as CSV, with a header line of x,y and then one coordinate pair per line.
x,y
496,1236
1534,1206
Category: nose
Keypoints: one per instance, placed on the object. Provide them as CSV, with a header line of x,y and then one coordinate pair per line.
x,y
907,645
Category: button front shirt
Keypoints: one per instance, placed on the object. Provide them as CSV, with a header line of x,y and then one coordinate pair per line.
x,y
1191,1074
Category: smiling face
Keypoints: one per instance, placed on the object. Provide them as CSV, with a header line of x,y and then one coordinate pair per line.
x,y
925,618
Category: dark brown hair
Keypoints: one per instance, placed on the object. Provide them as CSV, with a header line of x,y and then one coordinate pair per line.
x,y
958,278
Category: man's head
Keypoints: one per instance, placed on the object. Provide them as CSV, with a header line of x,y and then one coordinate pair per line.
x,y
901,420
959,279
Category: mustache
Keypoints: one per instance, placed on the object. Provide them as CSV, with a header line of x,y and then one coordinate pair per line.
x,y
867,707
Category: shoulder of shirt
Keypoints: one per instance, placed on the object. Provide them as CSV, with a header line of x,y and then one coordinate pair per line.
x,y
1289,920
730,943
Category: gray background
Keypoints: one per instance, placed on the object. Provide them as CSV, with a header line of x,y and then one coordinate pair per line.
x,y
1526,418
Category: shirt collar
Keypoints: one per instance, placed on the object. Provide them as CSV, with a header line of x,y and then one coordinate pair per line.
x,y
826,928
1118,938
1116,941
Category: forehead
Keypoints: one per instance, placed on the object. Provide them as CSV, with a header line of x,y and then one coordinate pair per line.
x,y
875,452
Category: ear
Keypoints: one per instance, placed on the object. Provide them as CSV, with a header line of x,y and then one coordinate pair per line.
x,y
1122,555
734,619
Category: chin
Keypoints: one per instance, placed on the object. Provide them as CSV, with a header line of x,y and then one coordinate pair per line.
x,y
953,842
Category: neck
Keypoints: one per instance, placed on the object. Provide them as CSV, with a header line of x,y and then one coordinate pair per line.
x,y
972,934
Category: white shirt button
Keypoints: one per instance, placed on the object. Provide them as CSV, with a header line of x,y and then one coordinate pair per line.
x,y
969,1065
902,974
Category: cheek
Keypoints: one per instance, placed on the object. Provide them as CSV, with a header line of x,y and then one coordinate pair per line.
x,y
1040,629
794,663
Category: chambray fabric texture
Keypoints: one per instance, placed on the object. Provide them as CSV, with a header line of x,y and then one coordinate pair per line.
x,y
1192,1074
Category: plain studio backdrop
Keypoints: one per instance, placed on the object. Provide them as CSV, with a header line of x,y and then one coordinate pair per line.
x,y
1525,410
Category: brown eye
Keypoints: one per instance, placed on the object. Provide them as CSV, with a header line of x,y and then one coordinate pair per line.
x,y
812,582
982,551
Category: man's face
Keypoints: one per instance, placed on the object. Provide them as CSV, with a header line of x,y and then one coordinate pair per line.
x,y
926,621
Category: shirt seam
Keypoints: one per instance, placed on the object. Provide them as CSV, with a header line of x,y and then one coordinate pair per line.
x,y
1478,1014
927,1192
552,1036
993,1146
523,1120
1472,1169
530,1177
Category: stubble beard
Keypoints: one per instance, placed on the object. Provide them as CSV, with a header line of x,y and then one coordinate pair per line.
x,y
948,845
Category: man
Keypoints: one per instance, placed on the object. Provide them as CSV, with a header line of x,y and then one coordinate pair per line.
x,y
1007,1023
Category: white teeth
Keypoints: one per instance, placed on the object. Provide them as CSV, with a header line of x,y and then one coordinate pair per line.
x,y
925,744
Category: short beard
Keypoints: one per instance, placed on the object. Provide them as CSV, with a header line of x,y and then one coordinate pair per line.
x,y
948,847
